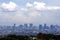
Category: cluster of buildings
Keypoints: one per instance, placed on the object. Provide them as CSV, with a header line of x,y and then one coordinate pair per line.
x,y
29,29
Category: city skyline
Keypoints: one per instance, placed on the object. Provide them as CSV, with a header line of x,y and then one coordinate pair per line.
x,y
29,19
30,29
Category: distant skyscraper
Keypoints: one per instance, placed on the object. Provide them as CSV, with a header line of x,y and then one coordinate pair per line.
x,y
25,25
30,25
53,29
51,26
13,28
46,27
40,28
20,26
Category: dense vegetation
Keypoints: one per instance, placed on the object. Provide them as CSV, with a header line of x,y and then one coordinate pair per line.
x,y
39,36
48,36
14,37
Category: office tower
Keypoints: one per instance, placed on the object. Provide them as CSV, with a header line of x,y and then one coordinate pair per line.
x,y
13,28
26,25
53,29
46,27
30,25
52,26
40,28
21,26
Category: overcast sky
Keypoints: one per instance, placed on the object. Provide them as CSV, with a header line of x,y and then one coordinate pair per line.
x,y
29,11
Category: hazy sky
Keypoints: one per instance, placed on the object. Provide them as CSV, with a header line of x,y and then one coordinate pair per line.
x,y
29,11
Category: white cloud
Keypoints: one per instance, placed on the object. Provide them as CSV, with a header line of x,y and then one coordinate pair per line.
x,y
36,12
39,5
29,5
11,6
52,7
42,6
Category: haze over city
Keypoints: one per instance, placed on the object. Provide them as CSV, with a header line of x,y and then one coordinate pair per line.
x,y
29,19
36,12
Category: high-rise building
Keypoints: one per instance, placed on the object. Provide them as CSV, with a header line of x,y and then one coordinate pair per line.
x,y
40,28
53,29
20,26
25,25
13,28
31,25
51,26
45,26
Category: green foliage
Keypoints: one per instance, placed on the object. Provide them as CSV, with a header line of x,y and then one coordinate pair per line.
x,y
48,36
14,37
39,36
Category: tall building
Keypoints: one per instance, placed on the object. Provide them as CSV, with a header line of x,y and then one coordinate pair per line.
x,y
20,26
45,26
40,28
25,25
53,29
51,26
13,28
30,25
45,29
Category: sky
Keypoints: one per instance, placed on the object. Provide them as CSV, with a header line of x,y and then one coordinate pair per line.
x,y
29,11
